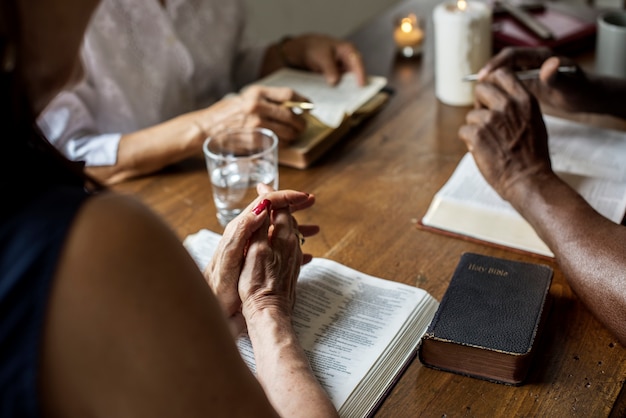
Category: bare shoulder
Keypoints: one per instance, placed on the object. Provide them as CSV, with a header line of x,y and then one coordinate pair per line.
x,y
111,216
130,306
116,243
117,236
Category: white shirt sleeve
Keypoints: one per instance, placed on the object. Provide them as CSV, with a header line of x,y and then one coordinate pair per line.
x,y
69,126
145,64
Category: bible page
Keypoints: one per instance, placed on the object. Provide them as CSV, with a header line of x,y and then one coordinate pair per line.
x,y
589,159
468,205
586,150
344,319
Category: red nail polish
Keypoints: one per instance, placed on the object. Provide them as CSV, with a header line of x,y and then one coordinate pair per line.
x,y
258,209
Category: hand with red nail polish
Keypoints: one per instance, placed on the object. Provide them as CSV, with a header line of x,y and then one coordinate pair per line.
x,y
224,271
253,273
258,209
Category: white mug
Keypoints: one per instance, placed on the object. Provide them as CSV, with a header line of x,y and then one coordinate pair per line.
x,y
611,44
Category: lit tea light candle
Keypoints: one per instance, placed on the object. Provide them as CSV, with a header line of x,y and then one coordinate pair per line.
x,y
408,36
462,47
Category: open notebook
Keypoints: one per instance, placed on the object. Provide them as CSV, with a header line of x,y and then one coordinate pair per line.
x,y
337,109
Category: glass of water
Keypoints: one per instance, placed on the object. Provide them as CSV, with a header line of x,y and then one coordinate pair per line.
x,y
237,160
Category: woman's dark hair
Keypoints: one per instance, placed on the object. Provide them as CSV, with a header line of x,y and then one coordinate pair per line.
x,y
28,162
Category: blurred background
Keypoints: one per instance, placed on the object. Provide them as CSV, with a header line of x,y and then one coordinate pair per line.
x,y
271,19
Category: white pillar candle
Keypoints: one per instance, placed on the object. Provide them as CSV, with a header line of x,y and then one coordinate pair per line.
x,y
462,47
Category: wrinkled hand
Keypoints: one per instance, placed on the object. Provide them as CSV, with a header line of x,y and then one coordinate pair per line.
x,y
225,271
271,268
566,91
506,134
326,55
256,106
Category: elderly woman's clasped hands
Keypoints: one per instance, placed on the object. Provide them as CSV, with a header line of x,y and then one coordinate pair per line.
x,y
258,260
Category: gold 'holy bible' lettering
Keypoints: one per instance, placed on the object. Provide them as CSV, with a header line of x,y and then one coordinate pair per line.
x,y
488,270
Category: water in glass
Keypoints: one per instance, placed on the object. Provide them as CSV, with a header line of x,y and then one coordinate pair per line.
x,y
234,185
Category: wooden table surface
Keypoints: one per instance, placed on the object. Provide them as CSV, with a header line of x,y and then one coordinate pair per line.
x,y
371,189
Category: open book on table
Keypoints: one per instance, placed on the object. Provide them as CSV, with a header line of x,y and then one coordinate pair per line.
x,y
337,109
589,159
358,331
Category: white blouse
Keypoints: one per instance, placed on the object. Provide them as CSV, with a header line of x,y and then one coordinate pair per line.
x,y
145,64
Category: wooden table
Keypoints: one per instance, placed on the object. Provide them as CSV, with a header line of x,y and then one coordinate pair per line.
x,y
371,190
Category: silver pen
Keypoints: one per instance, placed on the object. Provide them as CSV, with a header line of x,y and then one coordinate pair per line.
x,y
527,74
298,105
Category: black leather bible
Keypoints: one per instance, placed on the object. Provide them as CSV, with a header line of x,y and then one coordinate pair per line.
x,y
489,319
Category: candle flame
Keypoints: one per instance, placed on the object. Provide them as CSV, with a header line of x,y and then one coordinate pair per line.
x,y
406,25
461,4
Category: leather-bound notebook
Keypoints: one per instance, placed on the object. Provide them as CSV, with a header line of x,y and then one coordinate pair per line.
x,y
573,28
489,319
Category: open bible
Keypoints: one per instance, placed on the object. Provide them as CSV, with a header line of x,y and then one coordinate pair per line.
x,y
337,109
359,332
589,159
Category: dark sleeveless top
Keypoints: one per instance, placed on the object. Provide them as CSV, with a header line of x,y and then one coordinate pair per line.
x,y
30,243
40,200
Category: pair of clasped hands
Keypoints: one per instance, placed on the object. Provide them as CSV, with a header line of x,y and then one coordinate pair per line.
x,y
258,259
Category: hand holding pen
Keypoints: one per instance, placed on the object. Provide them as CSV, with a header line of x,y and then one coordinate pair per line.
x,y
257,106
555,81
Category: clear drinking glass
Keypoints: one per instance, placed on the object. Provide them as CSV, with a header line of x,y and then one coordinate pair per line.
x,y
237,160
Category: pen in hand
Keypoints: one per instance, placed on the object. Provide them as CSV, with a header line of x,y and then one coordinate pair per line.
x,y
298,105
527,74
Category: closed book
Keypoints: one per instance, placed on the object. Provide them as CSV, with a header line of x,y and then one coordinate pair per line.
x,y
573,28
488,322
